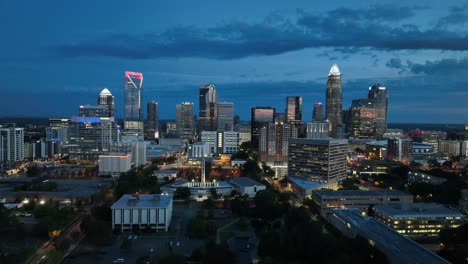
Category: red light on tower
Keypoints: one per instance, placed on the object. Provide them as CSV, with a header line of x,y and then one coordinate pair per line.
x,y
137,75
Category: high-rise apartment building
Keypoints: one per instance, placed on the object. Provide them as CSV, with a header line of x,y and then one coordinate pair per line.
x,y
293,110
133,119
208,116
363,119
11,144
106,99
261,116
320,160
273,142
185,123
379,96
318,114
334,101
399,149
225,116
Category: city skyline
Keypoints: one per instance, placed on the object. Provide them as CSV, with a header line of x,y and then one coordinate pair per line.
x,y
417,50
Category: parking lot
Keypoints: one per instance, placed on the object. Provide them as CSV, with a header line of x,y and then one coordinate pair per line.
x,y
145,245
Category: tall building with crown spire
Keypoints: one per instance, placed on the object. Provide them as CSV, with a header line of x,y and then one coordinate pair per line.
x,y
334,101
105,98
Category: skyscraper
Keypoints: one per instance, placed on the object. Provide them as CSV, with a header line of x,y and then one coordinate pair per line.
x,y
185,123
132,116
105,98
152,123
380,97
261,116
363,119
225,116
318,114
294,110
334,101
208,108
152,115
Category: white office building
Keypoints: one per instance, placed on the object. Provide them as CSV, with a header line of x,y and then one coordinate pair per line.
x,y
245,185
114,164
152,211
200,150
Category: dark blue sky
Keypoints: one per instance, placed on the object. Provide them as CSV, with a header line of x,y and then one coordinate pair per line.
x,y
56,55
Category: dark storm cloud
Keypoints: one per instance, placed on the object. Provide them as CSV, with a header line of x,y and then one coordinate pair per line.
x,y
444,67
343,29
457,16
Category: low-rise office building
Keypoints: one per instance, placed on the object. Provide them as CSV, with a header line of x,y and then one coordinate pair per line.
x,y
363,200
245,185
397,248
114,164
419,220
419,177
152,211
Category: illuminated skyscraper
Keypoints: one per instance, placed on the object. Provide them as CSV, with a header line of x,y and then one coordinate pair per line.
x,y
318,115
132,116
208,108
380,97
363,119
294,110
334,101
106,99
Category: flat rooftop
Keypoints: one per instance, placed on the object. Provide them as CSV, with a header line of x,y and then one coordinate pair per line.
x,y
350,193
419,210
387,239
143,201
245,182
305,184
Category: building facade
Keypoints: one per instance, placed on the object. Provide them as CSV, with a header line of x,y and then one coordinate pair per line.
x,y
328,200
293,112
133,119
91,137
419,220
208,108
399,149
334,101
321,160
225,116
106,99
185,123
114,164
261,116
11,144
149,211
378,94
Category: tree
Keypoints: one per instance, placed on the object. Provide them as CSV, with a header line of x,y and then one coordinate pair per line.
x,y
216,254
172,259
33,171
267,205
182,193
251,169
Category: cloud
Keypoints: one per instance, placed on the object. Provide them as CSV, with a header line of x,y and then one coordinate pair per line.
x,y
446,67
343,29
457,16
